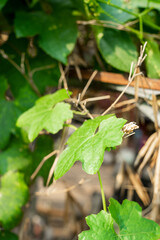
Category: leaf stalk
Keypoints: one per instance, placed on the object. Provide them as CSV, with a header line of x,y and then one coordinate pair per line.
x,y
102,192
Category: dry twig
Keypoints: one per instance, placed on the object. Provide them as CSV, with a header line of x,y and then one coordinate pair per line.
x,y
132,75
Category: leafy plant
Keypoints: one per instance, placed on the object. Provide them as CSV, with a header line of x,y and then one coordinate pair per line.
x,y
130,222
35,38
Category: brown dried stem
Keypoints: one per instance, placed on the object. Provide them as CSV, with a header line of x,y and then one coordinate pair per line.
x,y
42,162
132,75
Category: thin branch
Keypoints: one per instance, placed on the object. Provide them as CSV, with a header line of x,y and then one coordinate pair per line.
x,y
61,146
88,84
132,75
42,68
42,162
87,112
19,69
94,99
62,77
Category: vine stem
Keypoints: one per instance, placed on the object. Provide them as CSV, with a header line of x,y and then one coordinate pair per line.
x,y
102,192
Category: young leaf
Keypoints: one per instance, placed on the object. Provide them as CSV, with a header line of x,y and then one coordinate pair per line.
x,y
129,218
88,146
8,116
101,227
48,113
13,195
131,223
116,48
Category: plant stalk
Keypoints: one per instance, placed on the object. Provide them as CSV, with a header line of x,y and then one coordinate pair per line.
x,y
102,192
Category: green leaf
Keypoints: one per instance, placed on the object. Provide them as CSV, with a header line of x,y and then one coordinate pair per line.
x,y
13,195
131,223
3,86
144,4
5,235
26,98
16,157
8,116
152,60
151,21
101,227
116,14
129,218
29,24
59,36
48,113
2,3
88,146
116,48
54,30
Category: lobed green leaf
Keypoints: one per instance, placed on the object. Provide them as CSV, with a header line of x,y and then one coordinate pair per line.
x,y
49,113
88,144
129,218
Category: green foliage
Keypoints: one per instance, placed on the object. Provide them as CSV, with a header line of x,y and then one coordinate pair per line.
x,y
42,34
152,62
13,195
3,86
129,218
8,236
88,143
111,13
16,157
8,116
115,46
2,3
43,146
52,31
46,114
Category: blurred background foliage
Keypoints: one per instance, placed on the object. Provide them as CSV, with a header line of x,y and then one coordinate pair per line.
x,y
37,35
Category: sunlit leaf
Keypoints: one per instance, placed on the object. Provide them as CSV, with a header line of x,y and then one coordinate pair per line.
x,y
49,113
116,48
88,143
128,216
13,195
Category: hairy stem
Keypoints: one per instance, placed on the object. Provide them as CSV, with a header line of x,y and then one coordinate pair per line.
x,y
102,192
